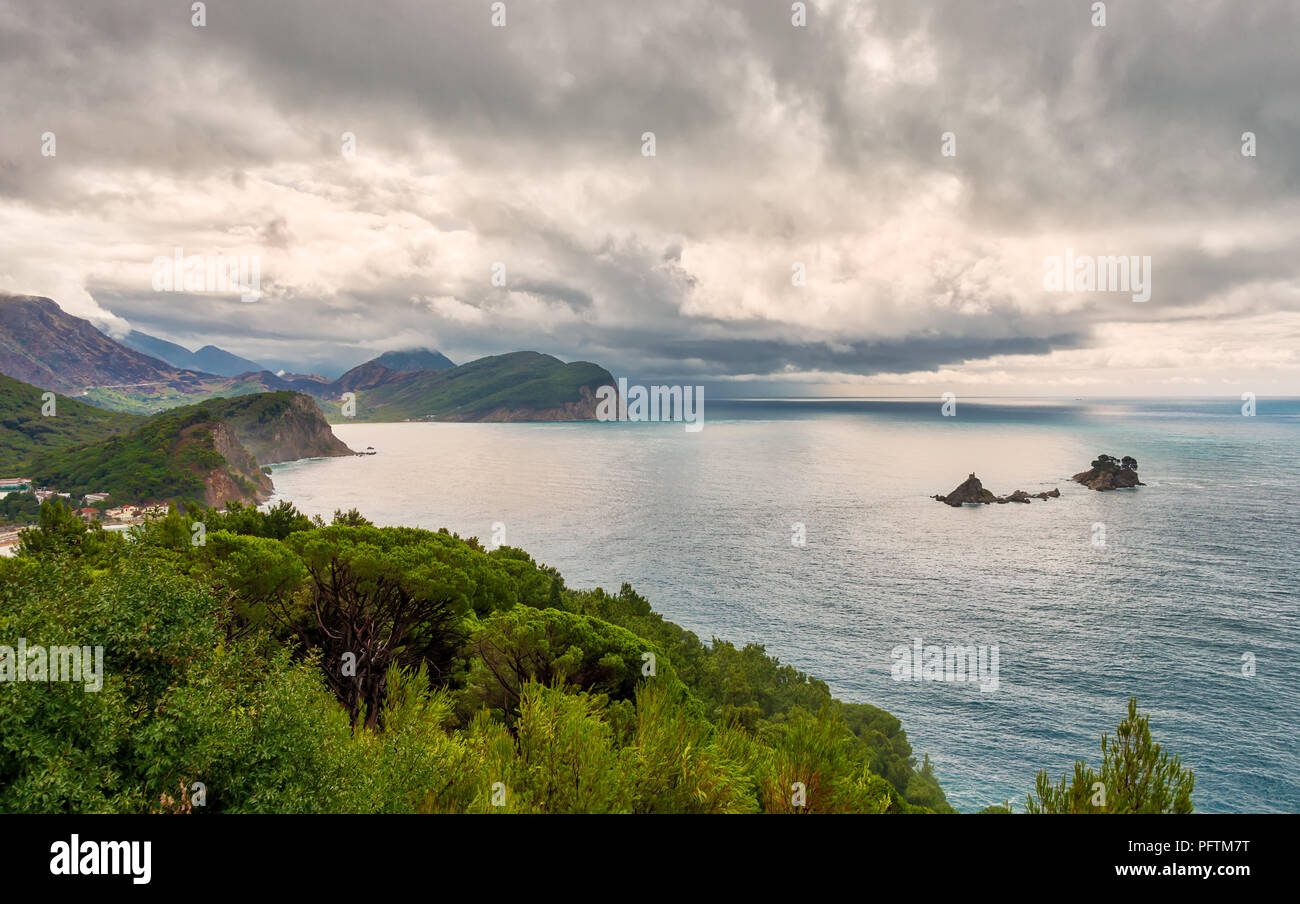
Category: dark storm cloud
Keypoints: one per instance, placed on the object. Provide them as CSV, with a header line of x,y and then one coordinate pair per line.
x,y
721,357
775,144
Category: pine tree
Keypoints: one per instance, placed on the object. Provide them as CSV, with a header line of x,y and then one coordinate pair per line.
x,y
1137,776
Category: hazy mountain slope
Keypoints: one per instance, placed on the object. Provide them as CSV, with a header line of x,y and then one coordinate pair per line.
x,y
210,359
170,352
363,376
265,381
42,345
213,360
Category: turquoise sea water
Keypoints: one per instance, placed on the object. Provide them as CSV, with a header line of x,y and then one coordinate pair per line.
x,y
1198,569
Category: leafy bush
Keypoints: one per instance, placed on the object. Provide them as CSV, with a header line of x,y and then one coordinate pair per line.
x,y
483,685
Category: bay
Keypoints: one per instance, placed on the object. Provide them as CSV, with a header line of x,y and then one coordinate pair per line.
x,y
1198,568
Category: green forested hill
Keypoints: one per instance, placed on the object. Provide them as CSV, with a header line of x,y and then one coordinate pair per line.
x,y
171,456
26,435
517,386
210,451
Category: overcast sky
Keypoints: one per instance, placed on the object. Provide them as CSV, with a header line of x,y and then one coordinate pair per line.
x,y
774,145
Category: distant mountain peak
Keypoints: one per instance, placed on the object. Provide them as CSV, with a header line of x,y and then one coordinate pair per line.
x,y
387,366
209,359
413,359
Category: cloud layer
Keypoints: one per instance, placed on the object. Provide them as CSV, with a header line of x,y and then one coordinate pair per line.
x,y
776,147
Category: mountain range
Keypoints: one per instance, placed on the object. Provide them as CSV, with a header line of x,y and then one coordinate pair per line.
x,y
213,360
43,345
209,359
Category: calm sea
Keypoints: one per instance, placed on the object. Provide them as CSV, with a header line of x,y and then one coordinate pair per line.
x,y
1196,577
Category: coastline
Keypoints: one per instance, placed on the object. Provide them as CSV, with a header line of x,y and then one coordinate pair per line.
x,y
701,524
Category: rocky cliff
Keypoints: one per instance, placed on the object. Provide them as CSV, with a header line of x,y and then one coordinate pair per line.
x,y
240,480
279,426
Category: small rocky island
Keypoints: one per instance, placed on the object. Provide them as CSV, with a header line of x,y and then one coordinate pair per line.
x,y
972,492
1110,473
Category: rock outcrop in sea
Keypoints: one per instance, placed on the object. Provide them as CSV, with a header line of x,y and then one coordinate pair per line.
x,y
971,492
1110,473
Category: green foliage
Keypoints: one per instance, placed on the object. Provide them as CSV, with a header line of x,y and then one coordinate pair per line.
x,y
537,586
259,732
1111,463
679,763
19,508
261,577
565,756
165,458
567,762
373,597
414,764
276,523
923,789
482,684
632,611
60,532
26,435
350,518
523,644
66,749
1137,776
747,688
890,754
811,766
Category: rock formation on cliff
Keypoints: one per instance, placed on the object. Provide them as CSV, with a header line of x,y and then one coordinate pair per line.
x,y
279,426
